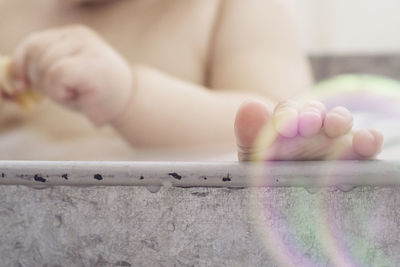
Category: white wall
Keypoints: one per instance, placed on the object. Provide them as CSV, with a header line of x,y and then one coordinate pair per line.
x,y
348,26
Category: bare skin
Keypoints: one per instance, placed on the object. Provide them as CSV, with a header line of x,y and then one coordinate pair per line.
x,y
174,73
302,132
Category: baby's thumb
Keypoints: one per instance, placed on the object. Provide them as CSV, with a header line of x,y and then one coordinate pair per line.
x,y
5,81
17,76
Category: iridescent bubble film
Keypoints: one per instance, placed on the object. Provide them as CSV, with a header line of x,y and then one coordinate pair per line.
x,y
315,226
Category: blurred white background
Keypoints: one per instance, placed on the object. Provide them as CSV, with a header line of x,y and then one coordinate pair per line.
x,y
348,26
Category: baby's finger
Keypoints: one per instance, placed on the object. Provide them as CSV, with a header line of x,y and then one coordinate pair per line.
x,y
54,54
23,67
18,66
62,81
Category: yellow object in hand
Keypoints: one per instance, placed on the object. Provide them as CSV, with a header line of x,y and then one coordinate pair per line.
x,y
26,99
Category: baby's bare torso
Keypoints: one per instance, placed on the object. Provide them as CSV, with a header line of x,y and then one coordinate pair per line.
x,y
173,36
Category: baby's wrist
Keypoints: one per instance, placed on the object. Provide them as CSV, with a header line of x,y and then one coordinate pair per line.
x,y
113,98
122,116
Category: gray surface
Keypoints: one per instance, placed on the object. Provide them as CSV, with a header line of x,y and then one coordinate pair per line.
x,y
129,226
67,226
329,66
200,174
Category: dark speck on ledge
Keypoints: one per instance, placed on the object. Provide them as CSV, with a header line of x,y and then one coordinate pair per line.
x,y
141,177
39,178
175,175
122,263
65,176
227,178
98,177
200,194
2,174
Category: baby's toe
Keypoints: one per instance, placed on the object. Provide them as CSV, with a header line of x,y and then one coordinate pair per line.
x,y
311,119
338,122
367,143
285,119
251,117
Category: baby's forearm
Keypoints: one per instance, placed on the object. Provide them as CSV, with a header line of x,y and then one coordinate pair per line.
x,y
165,112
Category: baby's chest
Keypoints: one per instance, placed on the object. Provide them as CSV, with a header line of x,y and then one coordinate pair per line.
x,y
173,36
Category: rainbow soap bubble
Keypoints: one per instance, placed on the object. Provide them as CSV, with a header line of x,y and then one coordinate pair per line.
x,y
317,227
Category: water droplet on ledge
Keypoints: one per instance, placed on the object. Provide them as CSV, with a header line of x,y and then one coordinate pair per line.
x,y
153,188
312,189
38,187
346,187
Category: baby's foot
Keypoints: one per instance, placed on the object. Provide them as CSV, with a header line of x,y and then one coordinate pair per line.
x,y
293,132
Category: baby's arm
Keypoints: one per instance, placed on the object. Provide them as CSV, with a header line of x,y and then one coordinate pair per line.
x,y
254,54
165,111
257,50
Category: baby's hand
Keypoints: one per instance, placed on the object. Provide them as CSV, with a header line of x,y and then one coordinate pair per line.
x,y
75,67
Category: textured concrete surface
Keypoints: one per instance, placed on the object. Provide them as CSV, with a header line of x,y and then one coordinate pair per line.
x,y
130,226
199,227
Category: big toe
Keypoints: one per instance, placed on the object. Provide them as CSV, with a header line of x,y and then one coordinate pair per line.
x,y
251,117
367,143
